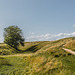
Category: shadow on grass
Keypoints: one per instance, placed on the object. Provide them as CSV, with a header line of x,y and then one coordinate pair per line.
x,y
31,49
4,62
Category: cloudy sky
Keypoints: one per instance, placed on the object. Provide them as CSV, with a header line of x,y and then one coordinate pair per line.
x,y
39,19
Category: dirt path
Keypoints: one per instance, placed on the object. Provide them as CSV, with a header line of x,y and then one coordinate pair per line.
x,y
70,51
16,55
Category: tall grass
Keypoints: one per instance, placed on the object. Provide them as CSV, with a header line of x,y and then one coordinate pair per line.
x,y
48,59
70,45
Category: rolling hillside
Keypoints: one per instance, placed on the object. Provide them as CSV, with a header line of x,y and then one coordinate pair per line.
x,y
44,58
70,45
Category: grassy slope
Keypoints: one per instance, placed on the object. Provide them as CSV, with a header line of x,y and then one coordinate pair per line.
x,y
70,45
48,59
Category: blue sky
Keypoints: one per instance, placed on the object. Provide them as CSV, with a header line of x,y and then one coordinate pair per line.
x,y
39,19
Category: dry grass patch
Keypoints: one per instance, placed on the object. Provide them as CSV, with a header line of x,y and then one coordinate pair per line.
x,y
70,45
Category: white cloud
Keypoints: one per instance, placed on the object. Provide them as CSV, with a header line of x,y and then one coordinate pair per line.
x,y
31,33
45,37
60,34
49,37
74,25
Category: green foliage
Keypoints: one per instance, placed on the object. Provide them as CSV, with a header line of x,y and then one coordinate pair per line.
x,y
13,36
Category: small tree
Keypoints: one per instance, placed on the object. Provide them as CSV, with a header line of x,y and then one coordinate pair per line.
x,y
13,36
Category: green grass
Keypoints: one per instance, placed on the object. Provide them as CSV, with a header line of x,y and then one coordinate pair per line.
x,y
48,58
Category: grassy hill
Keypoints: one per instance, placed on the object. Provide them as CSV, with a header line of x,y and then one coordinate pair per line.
x,y
70,45
46,58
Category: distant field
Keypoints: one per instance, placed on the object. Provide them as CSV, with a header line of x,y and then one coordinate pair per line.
x,y
45,58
